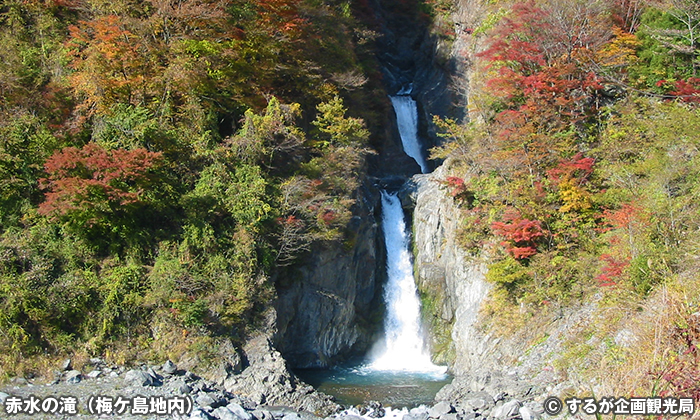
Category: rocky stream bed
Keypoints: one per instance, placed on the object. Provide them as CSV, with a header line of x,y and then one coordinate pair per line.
x,y
263,390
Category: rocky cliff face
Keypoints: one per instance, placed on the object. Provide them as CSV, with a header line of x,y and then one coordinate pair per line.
x,y
329,308
453,289
452,284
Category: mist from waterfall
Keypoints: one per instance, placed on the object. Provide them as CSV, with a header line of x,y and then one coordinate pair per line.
x,y
406,111
403,348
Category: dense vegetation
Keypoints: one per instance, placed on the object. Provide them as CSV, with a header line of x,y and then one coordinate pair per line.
x,y
578,178
160,159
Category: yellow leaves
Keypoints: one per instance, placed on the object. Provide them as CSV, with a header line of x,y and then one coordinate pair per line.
x,y
574,197
621,51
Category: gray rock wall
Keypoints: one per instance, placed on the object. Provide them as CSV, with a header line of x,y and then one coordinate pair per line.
x,y
329,308
452,283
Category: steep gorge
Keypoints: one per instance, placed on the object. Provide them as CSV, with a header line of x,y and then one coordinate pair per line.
x,y
329,309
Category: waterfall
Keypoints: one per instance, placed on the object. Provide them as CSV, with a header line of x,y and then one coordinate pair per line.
x,y
403,348
407,120
398,371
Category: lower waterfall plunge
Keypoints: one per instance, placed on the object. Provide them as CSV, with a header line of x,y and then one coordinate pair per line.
x,y
399,372
403,348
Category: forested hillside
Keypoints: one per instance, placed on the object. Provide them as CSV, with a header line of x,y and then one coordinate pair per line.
x,y
578,181
161,159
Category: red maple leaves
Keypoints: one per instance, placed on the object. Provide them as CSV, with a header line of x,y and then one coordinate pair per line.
x,y
91,178
521,234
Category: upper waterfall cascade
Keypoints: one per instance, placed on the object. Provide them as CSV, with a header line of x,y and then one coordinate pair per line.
x,y
404,348
407,119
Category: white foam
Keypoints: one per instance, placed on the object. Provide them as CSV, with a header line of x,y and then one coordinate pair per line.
x,y
403,348
407,119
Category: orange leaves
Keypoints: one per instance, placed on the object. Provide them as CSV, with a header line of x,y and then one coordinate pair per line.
x,y
571,176
94,179
620,51
105,34
109,64
628,217
281,17
626,227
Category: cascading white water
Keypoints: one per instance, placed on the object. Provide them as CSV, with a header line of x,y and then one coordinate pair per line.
x,y
407,119
403,348
398,372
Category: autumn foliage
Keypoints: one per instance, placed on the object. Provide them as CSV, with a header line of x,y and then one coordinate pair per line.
x,y
109,64
456,185
612,271
536,58
521,234
686,90
94,180
577,167
543,148
582,161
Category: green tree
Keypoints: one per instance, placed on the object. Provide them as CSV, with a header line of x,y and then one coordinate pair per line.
x,y
25,144
337,129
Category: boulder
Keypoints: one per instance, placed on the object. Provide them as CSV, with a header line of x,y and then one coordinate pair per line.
x,y
199,414
440,409
528,414
138,377
417,413
267,380
509,410
239,411
169,368
205,400
223,413
350,417
73,377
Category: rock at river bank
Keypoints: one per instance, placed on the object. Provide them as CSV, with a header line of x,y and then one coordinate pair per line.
x,y
73,377
169,368
267,380
137,377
